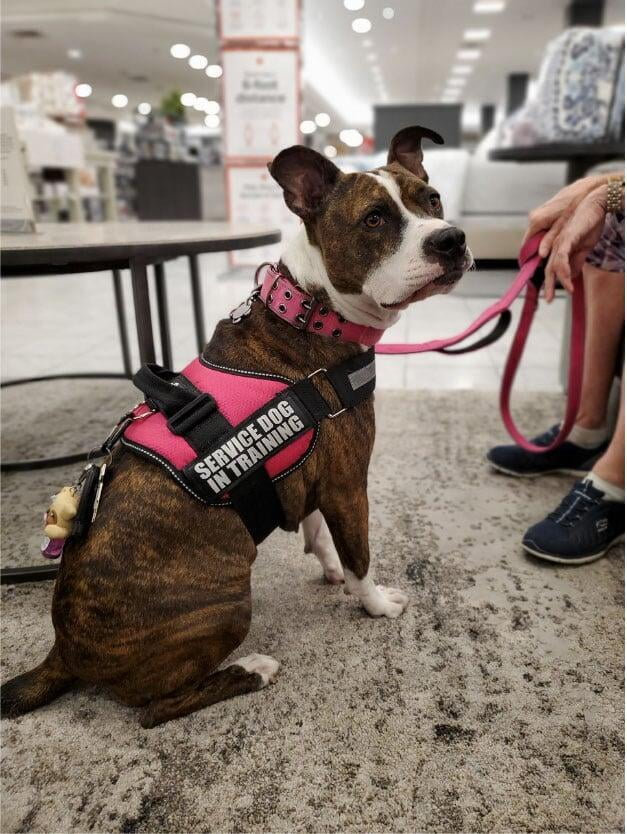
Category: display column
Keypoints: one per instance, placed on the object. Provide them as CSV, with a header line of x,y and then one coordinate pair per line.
x,y
259,41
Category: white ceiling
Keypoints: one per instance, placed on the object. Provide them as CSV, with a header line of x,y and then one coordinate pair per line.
x,y
125,48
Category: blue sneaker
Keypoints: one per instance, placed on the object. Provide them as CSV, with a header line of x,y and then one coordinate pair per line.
x,y
580,530
567,459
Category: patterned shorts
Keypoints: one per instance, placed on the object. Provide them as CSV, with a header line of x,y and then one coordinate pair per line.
x,y
609,252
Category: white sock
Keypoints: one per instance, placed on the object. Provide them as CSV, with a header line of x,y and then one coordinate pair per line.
x,y
587,438
611,492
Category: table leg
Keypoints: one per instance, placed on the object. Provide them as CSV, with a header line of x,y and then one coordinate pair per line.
x,y
162,310
122,329
143,320
194,275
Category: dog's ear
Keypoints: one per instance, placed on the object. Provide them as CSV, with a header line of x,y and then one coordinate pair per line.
x,y
306,178
405,148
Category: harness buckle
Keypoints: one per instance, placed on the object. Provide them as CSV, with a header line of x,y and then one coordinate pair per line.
x,y
324,371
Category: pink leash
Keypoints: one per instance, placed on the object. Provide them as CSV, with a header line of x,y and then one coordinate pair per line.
x,y
530,276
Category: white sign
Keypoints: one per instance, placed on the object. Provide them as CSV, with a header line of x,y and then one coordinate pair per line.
x,y
261,102
254,197
17,210
259,20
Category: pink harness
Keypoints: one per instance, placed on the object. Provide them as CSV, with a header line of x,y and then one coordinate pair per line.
x,y
238,394
302,311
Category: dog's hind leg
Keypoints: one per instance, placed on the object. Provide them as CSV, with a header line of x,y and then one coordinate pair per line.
x,y
318,541
36,688
248,674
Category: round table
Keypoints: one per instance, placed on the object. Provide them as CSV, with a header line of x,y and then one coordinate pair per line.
x,y
57,249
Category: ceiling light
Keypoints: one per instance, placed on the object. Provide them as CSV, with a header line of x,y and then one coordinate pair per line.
x,y
388,13
351,137
74,54
211,120
212,108
371,56
83,90
179,50
188,99
214,70
477,35
488,6
461,69
367,42
330,151
198,62
468,54
119,100
307,126
144,108
354,5
361,25
200,103
457,81
451,92
323,119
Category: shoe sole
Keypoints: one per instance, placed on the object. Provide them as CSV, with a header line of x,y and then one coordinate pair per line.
x,y
513,473
583,561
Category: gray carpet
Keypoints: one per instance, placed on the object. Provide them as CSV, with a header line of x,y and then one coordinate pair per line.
x,y
494,704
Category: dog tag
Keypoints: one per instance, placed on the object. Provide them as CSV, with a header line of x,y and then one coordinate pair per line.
x,y
243,309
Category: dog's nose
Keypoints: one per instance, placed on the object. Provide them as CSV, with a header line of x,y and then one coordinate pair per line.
x,y
450,242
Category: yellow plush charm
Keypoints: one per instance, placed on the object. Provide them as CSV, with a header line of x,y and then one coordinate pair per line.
x,y
60,513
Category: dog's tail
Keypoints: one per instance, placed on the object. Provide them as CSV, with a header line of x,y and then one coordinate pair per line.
x,y
36,688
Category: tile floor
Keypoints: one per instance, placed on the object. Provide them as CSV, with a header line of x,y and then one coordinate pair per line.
x,y
52,324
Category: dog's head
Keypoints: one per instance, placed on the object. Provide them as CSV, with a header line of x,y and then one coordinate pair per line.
x,y
372,242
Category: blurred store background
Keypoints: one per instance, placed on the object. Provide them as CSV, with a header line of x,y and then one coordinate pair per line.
x,y
152,111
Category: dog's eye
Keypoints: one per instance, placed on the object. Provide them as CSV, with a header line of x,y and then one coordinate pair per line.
x,y
434,200
374,219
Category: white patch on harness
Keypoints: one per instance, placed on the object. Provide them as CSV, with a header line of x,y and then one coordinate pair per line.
x,y
263,436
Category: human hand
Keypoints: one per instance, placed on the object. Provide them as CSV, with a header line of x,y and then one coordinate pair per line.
x,y
576,237
552,216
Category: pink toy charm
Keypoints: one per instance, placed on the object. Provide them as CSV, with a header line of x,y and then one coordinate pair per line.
x,y
52,548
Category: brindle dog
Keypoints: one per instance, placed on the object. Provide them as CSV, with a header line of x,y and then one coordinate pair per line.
x,y
158,595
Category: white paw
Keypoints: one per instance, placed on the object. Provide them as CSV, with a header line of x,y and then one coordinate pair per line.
x,y
385,602
262,664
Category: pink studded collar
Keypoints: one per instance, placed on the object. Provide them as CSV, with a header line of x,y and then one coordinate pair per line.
x,y
293,305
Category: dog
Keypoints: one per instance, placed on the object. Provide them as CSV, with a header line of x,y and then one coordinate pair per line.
x,y
157,596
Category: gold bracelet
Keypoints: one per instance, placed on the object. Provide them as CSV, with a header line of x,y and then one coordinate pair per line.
x,y
615,200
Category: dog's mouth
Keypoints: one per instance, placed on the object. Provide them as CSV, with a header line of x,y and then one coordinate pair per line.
x,y
447,279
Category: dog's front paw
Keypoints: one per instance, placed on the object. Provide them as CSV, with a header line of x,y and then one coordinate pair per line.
x,y
385,602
